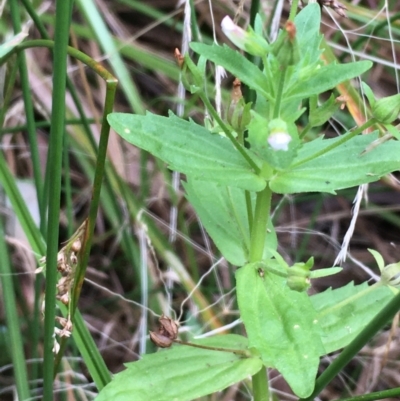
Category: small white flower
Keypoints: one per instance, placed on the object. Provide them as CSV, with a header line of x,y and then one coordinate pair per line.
x,y
279,140
248,40
236,34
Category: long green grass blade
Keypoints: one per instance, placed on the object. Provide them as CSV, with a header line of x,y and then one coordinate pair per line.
x,y
105,39
30,119
16,345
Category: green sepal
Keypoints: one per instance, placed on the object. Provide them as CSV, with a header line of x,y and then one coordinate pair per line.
x,y
197,79
286,49
387,110
369,94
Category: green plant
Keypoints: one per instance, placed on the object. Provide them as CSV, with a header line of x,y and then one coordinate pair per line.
x,y
232,168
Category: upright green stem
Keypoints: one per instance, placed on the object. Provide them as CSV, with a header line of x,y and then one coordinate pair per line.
x,y
63,12
260,385
257,243
259,230
98,179
293,9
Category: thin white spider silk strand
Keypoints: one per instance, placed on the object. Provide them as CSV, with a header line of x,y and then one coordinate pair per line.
x,y
144,289
366,269
361,193
220,329
209,271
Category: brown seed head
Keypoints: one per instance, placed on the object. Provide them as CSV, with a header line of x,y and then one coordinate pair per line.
x,y
168,327
160,340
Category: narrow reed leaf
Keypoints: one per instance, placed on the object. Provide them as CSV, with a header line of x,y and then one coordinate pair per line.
x,y
12,329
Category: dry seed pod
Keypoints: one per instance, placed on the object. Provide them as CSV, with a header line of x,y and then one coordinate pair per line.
x,y
168,327
160,340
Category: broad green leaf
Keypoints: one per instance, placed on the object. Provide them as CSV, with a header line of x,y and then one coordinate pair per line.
x,y
222,211
281,325
183,373
322,79
342,313
247,72
308,31
187,147
343,167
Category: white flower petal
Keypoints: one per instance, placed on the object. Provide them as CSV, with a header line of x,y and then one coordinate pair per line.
x,y
279,140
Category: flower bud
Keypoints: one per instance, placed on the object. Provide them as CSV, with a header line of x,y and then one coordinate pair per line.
x,y
298,275
238,113
248,40
298,284
386,110
390,275
286,48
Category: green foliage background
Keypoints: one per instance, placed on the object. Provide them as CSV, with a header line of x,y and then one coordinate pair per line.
x,y
135,40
